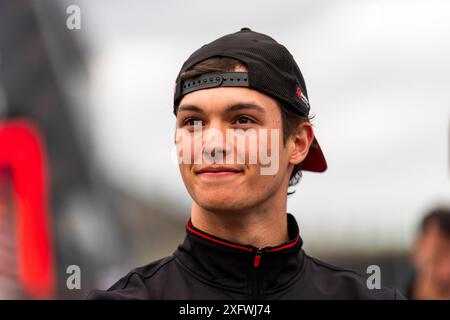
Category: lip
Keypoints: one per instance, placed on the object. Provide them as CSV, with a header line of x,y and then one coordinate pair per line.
x,y
218,171
218,174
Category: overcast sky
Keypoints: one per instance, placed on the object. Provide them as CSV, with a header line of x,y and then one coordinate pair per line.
x,y
377,74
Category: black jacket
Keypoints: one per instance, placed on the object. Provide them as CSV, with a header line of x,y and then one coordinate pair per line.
x,y
207,267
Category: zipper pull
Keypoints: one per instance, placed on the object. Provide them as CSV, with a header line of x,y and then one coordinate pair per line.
x,y
257,258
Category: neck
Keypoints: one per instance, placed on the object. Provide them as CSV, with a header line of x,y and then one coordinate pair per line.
x,y
425,289
261,226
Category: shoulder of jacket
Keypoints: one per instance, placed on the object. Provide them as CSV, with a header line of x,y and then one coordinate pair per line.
x,y
349,282
132,285
333,270
149,270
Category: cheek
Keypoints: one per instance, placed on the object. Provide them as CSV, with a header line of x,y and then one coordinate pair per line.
x,y
261,183
266,156
186,174
278,154
187,147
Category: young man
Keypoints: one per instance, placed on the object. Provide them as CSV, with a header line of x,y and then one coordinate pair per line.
x,y
431,258
240,243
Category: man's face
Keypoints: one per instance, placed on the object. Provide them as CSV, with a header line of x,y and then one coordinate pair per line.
x,y
432,257
233,186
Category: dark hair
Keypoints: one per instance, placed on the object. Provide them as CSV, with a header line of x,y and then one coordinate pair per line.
x,y
289,118
439,216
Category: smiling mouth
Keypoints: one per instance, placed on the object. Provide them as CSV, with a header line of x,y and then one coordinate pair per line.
x,y
218,172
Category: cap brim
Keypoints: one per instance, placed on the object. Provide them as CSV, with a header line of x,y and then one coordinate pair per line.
x,y
315,160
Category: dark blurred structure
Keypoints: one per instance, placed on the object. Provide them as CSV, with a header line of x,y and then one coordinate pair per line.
x,y
42,80
32,92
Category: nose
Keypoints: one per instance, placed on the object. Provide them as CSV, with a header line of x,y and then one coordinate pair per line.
x,y
215,146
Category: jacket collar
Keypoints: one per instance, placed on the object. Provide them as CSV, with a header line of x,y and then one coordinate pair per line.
x,y
237,266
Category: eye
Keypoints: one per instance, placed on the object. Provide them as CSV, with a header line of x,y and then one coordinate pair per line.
x,y
192,122
244,120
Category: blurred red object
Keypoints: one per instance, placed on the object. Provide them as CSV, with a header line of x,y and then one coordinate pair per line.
x,y
23,158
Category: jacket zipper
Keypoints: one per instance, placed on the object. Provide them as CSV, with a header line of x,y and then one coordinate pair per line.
x,y
257,259
256,263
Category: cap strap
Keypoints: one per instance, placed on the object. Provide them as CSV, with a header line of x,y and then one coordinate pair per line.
x,y
215,79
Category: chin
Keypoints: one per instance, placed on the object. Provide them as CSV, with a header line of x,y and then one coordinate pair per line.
x,y
226,201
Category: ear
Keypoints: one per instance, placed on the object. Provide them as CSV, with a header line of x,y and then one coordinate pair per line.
x,y
300,142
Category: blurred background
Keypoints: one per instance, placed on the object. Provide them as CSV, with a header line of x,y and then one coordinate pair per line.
x,y
87,175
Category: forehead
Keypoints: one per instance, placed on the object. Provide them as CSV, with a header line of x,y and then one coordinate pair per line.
x,y
434,236
215,100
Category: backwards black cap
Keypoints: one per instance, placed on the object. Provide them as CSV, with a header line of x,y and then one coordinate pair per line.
x,y
271,69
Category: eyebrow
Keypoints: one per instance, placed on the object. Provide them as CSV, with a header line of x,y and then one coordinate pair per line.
x,y
232,108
